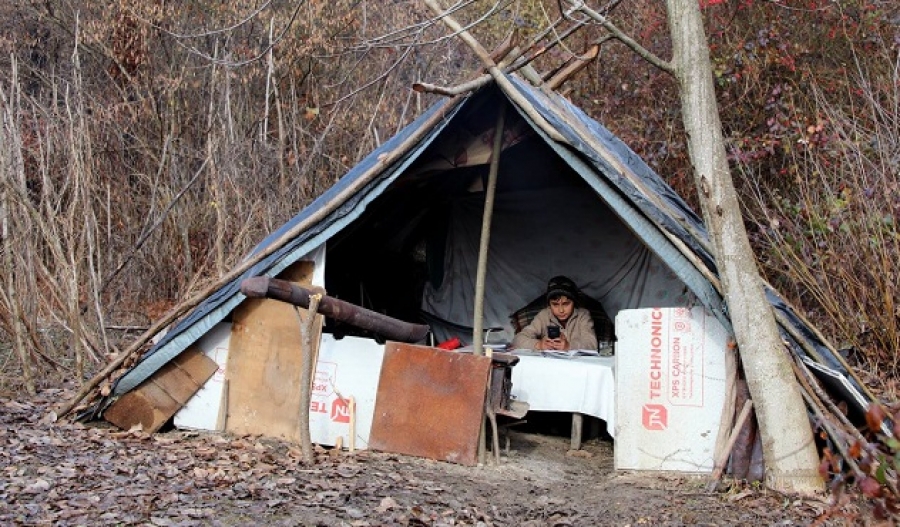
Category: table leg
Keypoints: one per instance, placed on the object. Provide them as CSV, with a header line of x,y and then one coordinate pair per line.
x,y
577,421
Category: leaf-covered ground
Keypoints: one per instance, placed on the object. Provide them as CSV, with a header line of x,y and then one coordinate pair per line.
x,y
73,474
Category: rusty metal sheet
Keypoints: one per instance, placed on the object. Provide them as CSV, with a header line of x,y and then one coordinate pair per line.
x,y
430,403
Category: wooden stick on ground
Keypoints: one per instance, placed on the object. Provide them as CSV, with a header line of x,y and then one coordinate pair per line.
x,y
351,439
723,457
383,161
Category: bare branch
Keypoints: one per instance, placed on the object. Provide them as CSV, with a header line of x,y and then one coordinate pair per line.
x,y
572,67
391,39
213,32
496,73
623,38
472,85
180,38
147,232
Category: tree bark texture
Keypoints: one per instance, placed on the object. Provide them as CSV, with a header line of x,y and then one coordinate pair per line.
x,y
12,173
789,451
481,271
306,376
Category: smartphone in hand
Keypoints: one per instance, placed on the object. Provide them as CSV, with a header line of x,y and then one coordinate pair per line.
x,y
552,332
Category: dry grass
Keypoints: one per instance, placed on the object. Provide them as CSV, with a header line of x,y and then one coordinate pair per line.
x,y
833,244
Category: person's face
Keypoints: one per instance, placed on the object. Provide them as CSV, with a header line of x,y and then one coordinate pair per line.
x,y
562,308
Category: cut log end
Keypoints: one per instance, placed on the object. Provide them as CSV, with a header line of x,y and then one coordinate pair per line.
x,y
255,287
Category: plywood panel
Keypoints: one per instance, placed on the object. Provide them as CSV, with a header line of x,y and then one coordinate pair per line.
x,y
157,399
430,403
264,364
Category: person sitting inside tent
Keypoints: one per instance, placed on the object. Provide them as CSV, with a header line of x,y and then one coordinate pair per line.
x,y
560,326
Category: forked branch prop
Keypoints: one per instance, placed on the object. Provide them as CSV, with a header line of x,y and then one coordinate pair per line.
x,y
495,71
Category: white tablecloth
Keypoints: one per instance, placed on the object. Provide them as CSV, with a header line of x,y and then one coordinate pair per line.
x,y
582,384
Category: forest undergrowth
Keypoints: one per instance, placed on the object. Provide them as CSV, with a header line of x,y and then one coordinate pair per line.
x,y
148,146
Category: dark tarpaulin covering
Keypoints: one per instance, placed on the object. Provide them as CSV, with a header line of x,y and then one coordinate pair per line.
x,y
150,362
617,163
565,116
830,366
681,221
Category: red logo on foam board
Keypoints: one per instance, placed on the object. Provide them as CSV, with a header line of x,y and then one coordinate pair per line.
x,y
655,417
340,411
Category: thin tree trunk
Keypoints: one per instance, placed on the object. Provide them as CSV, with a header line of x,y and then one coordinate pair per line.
x,y
214,180
306,374
10,174
270,71
71,231
788,447
282,142
481,270
18,328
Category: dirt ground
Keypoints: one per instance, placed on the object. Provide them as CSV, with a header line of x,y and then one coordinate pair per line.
x,y
73,474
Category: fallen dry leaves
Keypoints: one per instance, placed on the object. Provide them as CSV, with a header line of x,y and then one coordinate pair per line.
x,y
62,473
73,474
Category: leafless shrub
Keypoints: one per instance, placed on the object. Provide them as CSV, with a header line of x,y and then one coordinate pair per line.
x,y
146,149
835,243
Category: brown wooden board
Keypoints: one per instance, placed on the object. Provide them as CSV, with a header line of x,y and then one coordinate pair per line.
x,y
264,364
157,399
430,403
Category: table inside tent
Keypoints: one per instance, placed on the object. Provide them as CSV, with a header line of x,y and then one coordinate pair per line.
x,y
577,385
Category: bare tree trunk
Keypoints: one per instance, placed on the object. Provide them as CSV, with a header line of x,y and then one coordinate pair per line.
x,y
11,166
74,220
270,73
306,374
81,223
788,447
19,330
215,183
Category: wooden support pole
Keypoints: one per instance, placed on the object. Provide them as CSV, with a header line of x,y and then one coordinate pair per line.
x,y
577,426
481,272
351,436
719,467
306,375
495,433
222,419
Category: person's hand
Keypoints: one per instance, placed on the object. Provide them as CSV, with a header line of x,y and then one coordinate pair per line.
x,y
559,344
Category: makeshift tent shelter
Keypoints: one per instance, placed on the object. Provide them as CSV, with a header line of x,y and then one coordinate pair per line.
x,y
399,232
